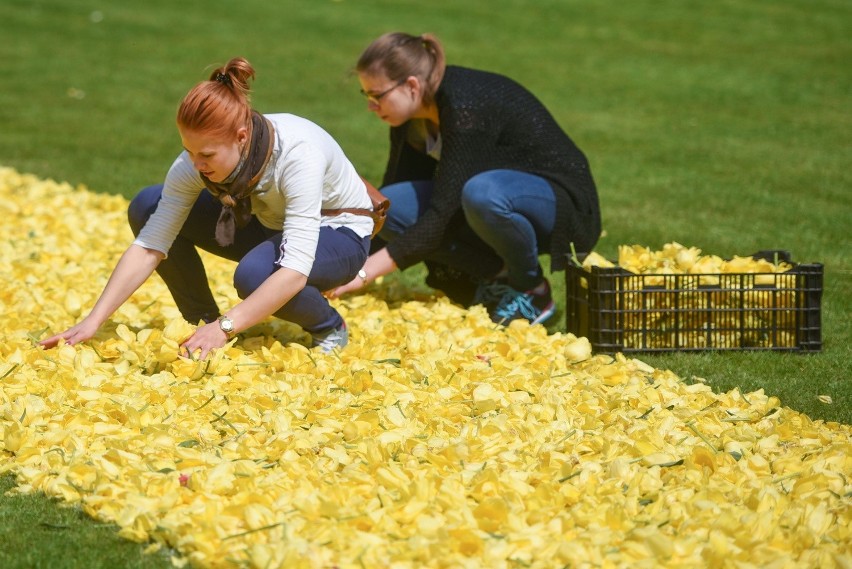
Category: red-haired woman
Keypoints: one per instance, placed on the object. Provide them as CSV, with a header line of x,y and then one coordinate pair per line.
x,y
267,191
481,180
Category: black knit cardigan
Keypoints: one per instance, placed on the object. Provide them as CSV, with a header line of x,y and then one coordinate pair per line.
x,y
487,122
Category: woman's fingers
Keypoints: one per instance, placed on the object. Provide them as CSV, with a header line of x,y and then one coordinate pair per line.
x,y
51,342
73,335
207,338
354,284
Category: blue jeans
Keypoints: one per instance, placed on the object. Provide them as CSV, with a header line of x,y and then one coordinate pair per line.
x,y
510,216
340,253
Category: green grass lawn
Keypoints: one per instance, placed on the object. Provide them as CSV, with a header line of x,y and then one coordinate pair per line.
x,y
718,124
37,533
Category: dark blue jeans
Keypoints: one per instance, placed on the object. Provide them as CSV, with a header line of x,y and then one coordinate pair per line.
x,y
510,216
340,253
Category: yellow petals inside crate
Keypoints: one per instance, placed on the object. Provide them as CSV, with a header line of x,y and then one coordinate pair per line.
x,y
675,299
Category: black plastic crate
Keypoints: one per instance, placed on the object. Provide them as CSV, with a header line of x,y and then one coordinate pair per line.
x,y
619,311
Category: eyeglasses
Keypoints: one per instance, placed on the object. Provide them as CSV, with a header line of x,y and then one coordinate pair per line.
x,y
376,98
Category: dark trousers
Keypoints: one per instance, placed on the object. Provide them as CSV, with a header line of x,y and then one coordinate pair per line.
x,y
340,253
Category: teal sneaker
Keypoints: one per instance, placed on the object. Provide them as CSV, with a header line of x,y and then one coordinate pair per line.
x,y
529,305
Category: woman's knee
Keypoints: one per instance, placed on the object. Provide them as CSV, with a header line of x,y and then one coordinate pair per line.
x,y
480,193
407,201
248,277
397,221
142,206
254,267
480,199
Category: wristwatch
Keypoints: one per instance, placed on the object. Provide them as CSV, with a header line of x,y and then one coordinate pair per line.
x,y
226,325
363,274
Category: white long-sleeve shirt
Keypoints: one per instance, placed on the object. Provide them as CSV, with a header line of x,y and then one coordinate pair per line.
x,y
307,172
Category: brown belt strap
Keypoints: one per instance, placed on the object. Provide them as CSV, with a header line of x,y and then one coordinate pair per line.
x,y
379,212
354,210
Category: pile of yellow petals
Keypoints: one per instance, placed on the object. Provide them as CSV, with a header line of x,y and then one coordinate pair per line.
x,y
675,258
435,439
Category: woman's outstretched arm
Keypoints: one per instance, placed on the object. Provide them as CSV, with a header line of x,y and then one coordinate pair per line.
x,y
135,266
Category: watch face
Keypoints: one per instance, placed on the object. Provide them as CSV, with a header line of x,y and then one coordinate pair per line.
x,y
226,324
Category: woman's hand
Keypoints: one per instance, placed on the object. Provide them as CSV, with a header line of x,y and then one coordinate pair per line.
x,y
208,337
272,294
378,264
354,284
74,335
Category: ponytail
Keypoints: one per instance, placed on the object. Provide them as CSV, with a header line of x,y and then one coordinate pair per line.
x,y
398,56
439,63
221,105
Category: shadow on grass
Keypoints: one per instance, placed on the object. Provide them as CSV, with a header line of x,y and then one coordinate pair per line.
x,y
39,532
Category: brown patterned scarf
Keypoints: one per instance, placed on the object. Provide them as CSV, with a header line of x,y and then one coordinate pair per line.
x,y
235,195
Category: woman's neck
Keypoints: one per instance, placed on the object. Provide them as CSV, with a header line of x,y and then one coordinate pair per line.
x,y
430,113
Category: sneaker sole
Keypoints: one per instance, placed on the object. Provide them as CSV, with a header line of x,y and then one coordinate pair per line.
x,y
548,311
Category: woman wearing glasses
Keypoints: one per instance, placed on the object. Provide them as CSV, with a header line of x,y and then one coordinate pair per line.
x,y
480,177
273,192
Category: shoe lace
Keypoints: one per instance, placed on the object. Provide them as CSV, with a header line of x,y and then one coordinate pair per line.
x,y
517,303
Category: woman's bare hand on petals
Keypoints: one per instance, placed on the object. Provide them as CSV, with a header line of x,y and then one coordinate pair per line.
x,y
74,335
352,285
206,338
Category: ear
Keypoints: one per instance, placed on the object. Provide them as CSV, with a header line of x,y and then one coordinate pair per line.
x,y
415,86
242,135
